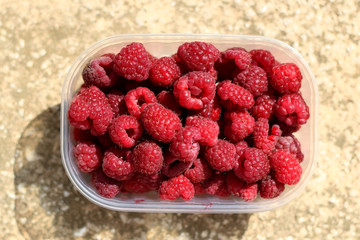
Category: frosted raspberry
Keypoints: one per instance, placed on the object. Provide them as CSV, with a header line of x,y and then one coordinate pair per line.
x,y
262,139
291,144
216,185
286,166
286,78
164,72
199,171
117,102
185,144
253,79
221,157
292,109
167,99
270,188
98,72
88,156
173,166
263,107
248,192
238,125
118,164
140,183
211,110
176,187
264,59
148,158
105,186
209,129
137,99
125,131
235,94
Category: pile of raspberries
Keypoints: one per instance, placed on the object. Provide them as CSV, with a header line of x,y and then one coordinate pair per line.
x,y
198,122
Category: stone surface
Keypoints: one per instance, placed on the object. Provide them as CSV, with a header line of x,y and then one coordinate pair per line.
x,y
40,39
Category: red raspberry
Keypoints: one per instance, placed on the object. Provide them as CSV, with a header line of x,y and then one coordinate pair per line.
x,y
264,59
262,140
195,89
286,129
199,189
200,171
292,109
176,187
286,166
291,144
253,79
240,149
117,102
140,183
270,188
98,72
240,55
88,156
105,186
184,145
216,185
164,72
211,110
148,158
209,129
173,166
286,78
263,107
82,135
248,192
198,56
125,131
133,62
90,110
254,166
221,157
118,163
137,99
238,125
167,99
160,122
235,94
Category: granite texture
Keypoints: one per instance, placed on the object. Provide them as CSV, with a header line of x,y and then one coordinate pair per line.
x,y
40,39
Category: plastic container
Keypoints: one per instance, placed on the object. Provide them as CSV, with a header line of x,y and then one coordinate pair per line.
x,y
166,44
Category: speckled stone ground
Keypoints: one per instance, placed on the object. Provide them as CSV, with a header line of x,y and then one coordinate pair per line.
x,y
40,39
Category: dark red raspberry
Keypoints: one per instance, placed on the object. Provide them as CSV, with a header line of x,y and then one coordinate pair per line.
x,y
286,78
140,183
262,139
88,156
137,99
173,166
133,62
98,72
195,89
199,189
270,187
221,157
167,99
198,56
286,129
238,125
184,145
161,123
248,192
105,186
208,128
176,187
216,185
235,94
211,110
254,166
148,158
292,109
125,131
253,79
241,57
117,102
164,72
240,149
199,172
118,163
82,135
263,107
90,109
264,59
286,166
291,144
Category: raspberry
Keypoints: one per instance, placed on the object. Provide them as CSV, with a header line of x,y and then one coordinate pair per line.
x,y
140,183
264,59
286,78
211,110
240,149
125,131
253,79
270,188
82,135
105,186
195,89
248,192
199,172
164,72
198,56
262,139
241,56
184,145
173,166
105,141
209,129
118,163
160,122
176,187
221,157
235,94
133,62
238,125
216,185
286,166
137,99
286,129
88,156
263,107
90,110
254,166
291,144
148,158
98,72
117,102
292,109
199,189
167,99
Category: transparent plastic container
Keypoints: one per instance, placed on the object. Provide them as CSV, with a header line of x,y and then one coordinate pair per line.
x,y
167,44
